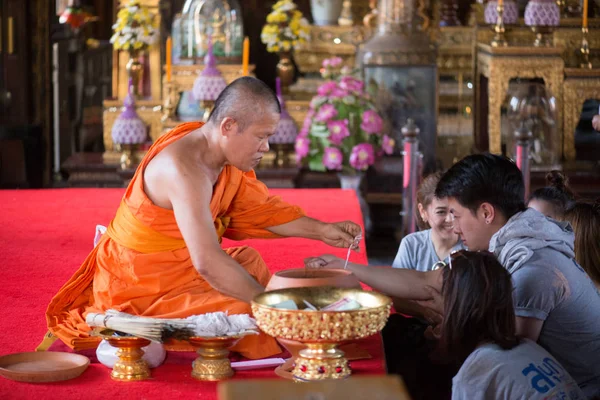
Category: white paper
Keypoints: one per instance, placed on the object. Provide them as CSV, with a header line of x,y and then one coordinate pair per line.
x,y
257,364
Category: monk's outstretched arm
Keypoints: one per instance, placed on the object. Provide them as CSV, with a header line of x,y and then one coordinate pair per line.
x,y
337,234
190,197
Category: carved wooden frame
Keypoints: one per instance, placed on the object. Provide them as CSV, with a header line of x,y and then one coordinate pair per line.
x,y
501,68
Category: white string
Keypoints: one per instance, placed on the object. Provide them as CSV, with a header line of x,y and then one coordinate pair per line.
x,y
355,243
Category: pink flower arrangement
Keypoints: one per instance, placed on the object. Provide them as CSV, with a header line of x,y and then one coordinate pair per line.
x,y
387,145
343,131
362,156
338,131
371,122
326,113
333,159
302,146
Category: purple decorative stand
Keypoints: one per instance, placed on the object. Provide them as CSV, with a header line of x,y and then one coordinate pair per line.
x,y
285,136
209,84
129,130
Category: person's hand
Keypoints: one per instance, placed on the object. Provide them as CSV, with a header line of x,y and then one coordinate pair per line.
x,y
341,234
434,306
433,312
326,261
596,122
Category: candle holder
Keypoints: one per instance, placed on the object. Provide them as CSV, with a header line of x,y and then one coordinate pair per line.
x,y
543,36
346,18
585,49
499,29
207,106
171,101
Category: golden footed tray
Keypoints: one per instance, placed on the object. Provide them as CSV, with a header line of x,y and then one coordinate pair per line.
x,y
130,366
321,331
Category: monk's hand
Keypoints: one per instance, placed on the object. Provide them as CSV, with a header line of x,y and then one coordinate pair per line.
x,y
327,261
341,234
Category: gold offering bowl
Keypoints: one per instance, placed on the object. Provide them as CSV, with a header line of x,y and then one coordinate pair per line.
x,y
213,362
321,331
130,366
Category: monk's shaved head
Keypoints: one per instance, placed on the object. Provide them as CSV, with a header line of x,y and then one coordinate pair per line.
x,y
245,100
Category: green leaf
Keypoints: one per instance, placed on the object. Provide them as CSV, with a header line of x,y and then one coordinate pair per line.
x,y
316,164
324,141
319,131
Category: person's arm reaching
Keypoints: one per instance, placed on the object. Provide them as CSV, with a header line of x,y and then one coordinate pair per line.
x,y
190,199
401,283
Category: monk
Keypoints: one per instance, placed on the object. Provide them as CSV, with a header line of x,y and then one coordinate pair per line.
x,y
161,254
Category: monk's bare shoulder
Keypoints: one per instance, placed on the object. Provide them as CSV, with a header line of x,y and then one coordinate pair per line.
x,y
174,172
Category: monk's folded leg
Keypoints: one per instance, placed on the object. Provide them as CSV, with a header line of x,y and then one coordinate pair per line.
x,y
254,346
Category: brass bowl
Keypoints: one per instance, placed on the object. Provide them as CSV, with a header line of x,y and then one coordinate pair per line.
x,y
321,331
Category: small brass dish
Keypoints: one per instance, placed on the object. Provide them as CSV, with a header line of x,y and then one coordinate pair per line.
x,y
130,366
321,331
213,362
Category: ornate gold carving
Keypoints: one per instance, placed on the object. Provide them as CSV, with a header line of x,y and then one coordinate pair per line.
x,y
577,88
570,39
500,65
313,366
183,76
212,363
298,110
130,366
327,41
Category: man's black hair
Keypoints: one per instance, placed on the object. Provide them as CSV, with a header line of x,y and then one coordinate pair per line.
x,y
484,178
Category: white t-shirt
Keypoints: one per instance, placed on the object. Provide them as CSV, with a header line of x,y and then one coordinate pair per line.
x,y
527,371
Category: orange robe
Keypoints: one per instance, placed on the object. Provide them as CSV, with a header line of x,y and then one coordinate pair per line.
x,y
142,266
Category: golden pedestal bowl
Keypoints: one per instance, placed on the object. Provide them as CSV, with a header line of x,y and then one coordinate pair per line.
x,y
321,331
213,362
130,366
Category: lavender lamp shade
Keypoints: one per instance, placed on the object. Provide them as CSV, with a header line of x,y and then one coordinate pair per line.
x,y
129,127
286,130
210,83
542,13
509,17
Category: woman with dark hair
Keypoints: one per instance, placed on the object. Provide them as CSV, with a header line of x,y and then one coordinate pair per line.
x,y
584,217
555,198
425,249
479,333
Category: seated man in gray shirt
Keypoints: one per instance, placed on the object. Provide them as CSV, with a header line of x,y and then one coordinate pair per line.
x,y
556,303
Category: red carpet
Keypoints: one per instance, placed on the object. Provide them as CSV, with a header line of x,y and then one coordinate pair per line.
x,y
46,234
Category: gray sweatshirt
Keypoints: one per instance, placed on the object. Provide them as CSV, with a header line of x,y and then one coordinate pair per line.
x,y
550,286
